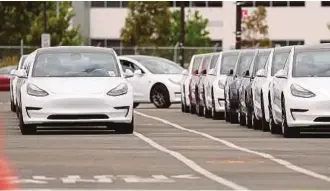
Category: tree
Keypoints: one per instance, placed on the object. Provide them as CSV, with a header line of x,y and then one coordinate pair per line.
x,y
147,24
62,33
255,29
195,29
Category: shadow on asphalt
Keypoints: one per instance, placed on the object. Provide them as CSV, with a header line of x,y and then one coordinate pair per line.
x,y
74,131
318,135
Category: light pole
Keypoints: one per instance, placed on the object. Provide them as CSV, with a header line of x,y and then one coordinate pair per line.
x,y
238,31
182,33
45,16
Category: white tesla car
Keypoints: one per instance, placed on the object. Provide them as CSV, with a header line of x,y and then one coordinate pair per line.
x,y
215,81
72,85
155,80
300,99
13,83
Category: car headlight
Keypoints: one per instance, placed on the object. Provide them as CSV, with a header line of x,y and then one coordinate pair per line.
x,y
121,89
34,90
299,91
221,84
174,82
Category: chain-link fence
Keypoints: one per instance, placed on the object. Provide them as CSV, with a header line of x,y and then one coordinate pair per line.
x,y
171,53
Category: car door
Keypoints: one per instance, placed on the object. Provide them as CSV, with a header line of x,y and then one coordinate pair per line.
x,y
140,82
280,62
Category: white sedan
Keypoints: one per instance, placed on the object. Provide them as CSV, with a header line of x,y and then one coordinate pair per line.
x,y
300,98
156,80
13,83
75,85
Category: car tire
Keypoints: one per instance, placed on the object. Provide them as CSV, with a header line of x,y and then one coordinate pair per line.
x,y
192,109
207,112
249,119
256,124
124,128
288,132
264,123
199,108
273,127
233,116
12,106
184,107
26,129
135,105
241,118
160,96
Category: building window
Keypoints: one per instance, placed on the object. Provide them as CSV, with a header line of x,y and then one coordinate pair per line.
x,y
217,44
98,42
262,3
199,3
98,4
324,41
297,3
296,42
247,3
124,4
279,3
186,3
214,3
279,43
113,3
325,3
112,43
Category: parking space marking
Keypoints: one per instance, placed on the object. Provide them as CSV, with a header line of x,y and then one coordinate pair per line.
x,y
282,162
191,164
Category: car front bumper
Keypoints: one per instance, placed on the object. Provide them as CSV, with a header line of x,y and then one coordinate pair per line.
x,y
307,112
91,109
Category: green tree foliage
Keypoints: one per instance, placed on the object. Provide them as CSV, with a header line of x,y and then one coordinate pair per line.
x,y
147,24
255,29
57,26
195,29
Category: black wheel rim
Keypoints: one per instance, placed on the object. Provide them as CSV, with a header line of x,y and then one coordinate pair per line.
x,y
158,97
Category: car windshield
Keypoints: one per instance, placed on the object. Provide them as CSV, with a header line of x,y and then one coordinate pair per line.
x,y
228,62
6,70
21,65
159,65
244,64
279,62
260,62
312,64
76,64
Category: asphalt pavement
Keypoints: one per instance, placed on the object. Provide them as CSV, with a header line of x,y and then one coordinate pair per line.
x,y
169,150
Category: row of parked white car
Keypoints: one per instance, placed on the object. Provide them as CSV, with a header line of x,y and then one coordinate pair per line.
x,y
282,90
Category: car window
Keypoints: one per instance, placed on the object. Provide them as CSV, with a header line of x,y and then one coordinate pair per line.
x,y
244,63
197,62
214,61
311,63
205,63
76,64
126,65
157,65
260,62
228,62
279,61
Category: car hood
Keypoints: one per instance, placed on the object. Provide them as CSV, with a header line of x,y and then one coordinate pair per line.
x,y
317,85
77,85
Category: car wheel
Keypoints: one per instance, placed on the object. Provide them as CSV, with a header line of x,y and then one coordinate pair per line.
x,y
241,118
135,105
264,123
26,129
192,108
249,119
288,132
184,107
233,116
227,114
255,122
160,96
12,106
124,128
207,113
273,127
199,108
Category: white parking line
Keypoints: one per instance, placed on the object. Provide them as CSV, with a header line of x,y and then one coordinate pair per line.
x,y
231,145
191,164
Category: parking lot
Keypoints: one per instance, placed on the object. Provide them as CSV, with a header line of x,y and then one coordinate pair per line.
x,y
169,150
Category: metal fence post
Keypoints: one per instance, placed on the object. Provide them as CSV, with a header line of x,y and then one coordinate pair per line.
x,y
175,55
22,47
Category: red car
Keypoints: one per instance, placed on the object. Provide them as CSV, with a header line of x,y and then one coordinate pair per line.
x,y
5,77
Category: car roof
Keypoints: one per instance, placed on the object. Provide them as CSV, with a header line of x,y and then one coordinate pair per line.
x,y
68,49
312,47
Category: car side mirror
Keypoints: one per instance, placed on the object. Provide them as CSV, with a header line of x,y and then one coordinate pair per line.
x,y
246,73
138,72
211,72
203,72
21,73
13,72
185,72
230,72
281,74
195,72
261,73
128,73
